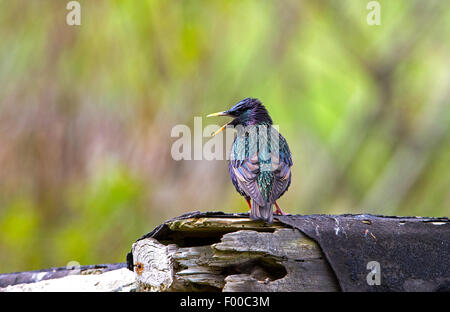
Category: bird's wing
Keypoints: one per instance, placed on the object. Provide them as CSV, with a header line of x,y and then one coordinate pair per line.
x,y
246,171
281,168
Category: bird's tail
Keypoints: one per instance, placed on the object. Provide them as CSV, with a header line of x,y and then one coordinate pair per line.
x,y
264,213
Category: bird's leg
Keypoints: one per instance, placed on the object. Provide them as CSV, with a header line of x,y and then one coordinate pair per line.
x,y
278,211
249,204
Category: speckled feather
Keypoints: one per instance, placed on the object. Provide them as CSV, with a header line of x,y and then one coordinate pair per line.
x,y
260,158
255,168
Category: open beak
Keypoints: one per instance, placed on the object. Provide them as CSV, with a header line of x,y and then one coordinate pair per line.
x,y
221,129
224,126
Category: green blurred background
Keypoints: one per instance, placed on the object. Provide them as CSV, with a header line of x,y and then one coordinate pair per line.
x,y
86,114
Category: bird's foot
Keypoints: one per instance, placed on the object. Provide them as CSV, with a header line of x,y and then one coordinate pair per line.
x,y
278,210
249,204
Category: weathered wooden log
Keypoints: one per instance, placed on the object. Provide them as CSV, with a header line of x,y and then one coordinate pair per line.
x,y
215,251
117,280
231,254
29,277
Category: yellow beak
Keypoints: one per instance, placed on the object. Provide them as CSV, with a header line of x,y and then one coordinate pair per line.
x,y
218,114
224,126
221,129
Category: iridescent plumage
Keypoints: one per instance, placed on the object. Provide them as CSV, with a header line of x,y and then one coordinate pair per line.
x,y
260,158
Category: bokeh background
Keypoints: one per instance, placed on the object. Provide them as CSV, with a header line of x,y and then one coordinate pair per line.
x,y
86,114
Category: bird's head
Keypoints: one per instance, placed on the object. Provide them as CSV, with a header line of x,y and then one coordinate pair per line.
x,y
247,112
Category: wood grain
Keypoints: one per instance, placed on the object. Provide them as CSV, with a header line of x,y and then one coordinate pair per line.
x,y
246,256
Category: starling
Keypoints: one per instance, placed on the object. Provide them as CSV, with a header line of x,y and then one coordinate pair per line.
x,y
260,159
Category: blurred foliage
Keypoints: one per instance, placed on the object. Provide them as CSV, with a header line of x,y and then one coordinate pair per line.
x,y
86,113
